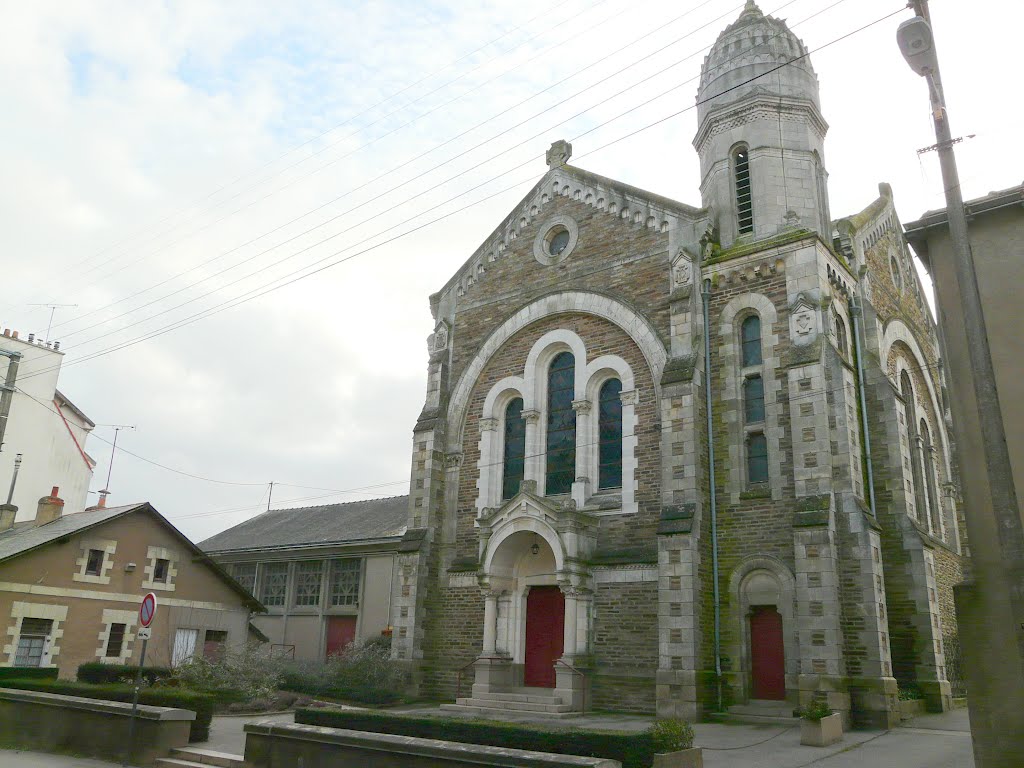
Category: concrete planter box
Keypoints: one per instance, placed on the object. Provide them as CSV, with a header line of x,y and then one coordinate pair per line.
x,y
910,708
684,758
822,733
50,722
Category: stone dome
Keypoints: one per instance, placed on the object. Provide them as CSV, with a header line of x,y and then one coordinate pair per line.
x,y
753,45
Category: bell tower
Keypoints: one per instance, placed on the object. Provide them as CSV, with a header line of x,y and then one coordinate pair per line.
x,y
760,134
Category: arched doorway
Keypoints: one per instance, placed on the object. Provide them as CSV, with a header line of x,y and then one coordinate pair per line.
x,y
545,627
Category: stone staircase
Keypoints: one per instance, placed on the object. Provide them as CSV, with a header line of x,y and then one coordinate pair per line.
x,y
193,757
758,712
523,701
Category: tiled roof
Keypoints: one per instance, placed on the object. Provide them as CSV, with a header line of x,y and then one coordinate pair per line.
x,y
315,526
27,535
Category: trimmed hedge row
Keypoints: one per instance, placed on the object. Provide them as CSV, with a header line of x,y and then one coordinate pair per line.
x,y
200,703
27,673
633,750
100,674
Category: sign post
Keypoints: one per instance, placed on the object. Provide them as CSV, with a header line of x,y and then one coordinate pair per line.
x,y
146,613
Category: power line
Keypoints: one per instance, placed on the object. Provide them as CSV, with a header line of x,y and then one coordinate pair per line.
x,y
343,123
394,169
237,300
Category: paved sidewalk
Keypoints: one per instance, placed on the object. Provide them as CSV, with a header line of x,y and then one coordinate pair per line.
x,y
929,741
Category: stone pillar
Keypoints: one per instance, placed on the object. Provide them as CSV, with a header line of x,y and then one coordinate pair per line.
x,y
490,622
585,451
535,453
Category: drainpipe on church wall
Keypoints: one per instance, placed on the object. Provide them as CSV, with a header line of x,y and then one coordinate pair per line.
x,y
706,295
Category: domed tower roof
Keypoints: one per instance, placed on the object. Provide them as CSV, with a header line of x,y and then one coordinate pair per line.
x,y
753,45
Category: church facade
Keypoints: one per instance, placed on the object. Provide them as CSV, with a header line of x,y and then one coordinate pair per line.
x,y
674,458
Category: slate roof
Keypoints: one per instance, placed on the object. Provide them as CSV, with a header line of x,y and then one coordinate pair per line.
x,y
27,536
326,524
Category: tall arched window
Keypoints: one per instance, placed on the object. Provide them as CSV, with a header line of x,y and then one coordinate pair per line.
x,y
841,343
920,502
750,340
744,203
515,449
929,477
561,442
610,435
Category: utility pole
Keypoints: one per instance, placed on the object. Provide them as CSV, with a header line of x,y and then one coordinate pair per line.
x,y
7,390
110,467
990,610
53,309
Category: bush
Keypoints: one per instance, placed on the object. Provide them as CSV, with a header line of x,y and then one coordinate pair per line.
x,y
671,735
27,673
200,703
99,674
244,675
814,711
910,693
633,750
364,672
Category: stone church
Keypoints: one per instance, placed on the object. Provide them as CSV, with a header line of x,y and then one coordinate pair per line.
x,y
675,458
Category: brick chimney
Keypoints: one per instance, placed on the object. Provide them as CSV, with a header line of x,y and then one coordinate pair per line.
x,y
50,507
7,514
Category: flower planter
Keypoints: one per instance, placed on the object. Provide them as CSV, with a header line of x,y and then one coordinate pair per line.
x,y
910,708
684,758
822,733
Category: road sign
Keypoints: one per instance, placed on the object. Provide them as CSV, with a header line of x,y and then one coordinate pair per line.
x,y
147,610
145,633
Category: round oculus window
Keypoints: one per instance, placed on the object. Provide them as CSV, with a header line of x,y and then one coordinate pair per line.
x,y
557,240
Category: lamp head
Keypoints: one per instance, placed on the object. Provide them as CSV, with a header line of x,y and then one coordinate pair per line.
x,y
915,40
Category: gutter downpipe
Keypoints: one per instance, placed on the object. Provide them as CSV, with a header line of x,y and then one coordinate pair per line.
x,y
856,317
706,295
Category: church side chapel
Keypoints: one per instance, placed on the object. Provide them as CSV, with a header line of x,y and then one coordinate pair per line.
x,y
603,355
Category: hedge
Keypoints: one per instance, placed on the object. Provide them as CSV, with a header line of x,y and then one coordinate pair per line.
x,y
99,674
27,673
200,703
632,749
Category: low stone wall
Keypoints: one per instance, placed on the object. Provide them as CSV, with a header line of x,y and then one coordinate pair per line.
x,y
269,744
48,722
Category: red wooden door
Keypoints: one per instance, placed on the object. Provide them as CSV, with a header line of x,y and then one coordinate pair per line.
x,y
767,657
545,620
341,630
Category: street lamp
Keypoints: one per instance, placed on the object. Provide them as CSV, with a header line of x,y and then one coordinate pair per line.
x,y
917,45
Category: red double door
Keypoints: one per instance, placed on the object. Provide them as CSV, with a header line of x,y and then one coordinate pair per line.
x,y
767,655
545,625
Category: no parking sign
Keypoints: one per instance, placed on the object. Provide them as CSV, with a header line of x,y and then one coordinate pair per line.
x,y
147,610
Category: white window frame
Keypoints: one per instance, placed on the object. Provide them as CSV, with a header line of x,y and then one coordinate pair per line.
x,y
108,547
22,610
182,649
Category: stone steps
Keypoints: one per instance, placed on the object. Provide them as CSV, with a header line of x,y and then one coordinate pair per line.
x,y
506,701
194,757
531,698
504,713
757,713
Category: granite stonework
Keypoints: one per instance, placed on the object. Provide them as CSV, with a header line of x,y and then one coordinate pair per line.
x,y
827,535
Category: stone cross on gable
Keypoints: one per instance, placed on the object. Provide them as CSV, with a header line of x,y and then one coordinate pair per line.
x,y
559,153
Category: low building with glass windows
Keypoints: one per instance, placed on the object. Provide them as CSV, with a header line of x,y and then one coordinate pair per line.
x,y
675,457
71,586
326,574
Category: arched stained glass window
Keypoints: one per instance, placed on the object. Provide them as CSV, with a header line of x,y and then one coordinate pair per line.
x,y
744,202
515,449
610,435
757,458
750,338
841,343
929,476
561,442
753,399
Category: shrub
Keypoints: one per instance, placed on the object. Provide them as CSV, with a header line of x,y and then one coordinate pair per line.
x,y
814,711
671,735
364,672
200,703
632,749
27,673
243,675
99,674
910,693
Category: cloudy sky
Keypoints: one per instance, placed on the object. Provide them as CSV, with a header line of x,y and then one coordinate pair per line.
x,y
166,164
